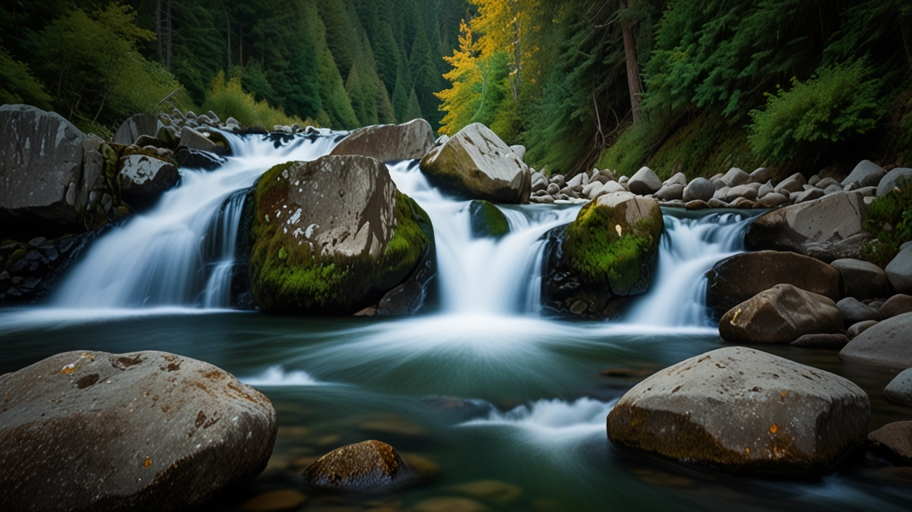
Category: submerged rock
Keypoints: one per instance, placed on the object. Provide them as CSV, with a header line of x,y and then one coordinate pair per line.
x,y
389,142
887,344
609,252
487,220
140,431
781,314
747,412
740,277
332,236
476,164
828,228
366,466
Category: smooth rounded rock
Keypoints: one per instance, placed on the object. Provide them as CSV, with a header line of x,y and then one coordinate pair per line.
x,y
893,179
735,177
760,175
854,311
366,466
644,182
781,314
700,189
887,344
389,142
896,305
773,199
744,411
116,432
135,127
893,442
862,279
192,139
899,390
670,192
859,328
899,271
822,341
865,174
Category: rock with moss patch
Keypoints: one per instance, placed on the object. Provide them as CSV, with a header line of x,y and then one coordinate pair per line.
x,y
390,142
747,412
365,466
116,432
331,236
608,253
476,164
487,220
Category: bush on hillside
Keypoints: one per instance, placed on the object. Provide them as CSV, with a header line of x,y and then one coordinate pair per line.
x,y
227,98
890,220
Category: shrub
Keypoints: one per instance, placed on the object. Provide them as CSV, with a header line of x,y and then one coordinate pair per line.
x,y
17,85
227,98
890,220
838,102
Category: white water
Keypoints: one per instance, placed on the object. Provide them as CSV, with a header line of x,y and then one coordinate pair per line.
x,y
276,376
552,421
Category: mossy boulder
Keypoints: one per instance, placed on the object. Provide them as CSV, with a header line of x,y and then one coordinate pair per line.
x,y
487,221
476,164
745,411
609,252
331,236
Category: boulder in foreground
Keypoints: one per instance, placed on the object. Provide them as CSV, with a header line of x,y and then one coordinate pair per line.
x,y
893,442
365,466
781,314
142,431
389,142
476,164
747,412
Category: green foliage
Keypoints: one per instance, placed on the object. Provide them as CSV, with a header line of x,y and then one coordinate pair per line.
x,y
228,99
839,102
486,220
890,220
17,85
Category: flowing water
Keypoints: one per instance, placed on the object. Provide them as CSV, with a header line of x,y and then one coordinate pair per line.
x,y
484,389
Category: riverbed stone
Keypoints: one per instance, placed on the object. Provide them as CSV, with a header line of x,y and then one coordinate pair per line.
x,y
644,182
773,199
899,390
149,430
143,179
893,179
822,341
389,142
865,174
887,344
740,277
781,314
760,175
332,236
476,164
670,192
899,271
747,412
609,252
735,177
366,466
854,311
192,139
828,228
136,126
859,328
699,189
896,305
862,279
893,442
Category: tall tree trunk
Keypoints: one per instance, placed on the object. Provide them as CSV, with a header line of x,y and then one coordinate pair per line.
x,y
634,84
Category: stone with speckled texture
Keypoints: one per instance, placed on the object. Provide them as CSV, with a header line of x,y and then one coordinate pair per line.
x,y
365,466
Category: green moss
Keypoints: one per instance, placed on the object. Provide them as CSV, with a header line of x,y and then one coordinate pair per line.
x,y
291,278
487,220
598,254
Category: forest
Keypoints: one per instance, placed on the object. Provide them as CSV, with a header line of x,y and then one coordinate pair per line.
x,y
679,85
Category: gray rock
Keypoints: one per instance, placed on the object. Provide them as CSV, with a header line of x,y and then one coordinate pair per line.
x,y
696,205
366,466
747,191
116,432
644,182
826,183
736,408
865,174
835,189
190,138
828,229
722,193
735,177
899,271
793,183
520,151
553,189
765,189
558,179
899,390
475,163
887,344
859,328
892,180
809,195
718,203
781,314
670,192
143,179
761,175
389,142
677,179
822,341
773,199
893,442
135,127
896,305
815,179
854,311
862,279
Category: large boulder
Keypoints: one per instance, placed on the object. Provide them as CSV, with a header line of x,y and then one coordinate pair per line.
x,y
828,228
887,344
389,142
700,189
476,164
51,174
893,180
740,277
362,467
137,126
893,442
781,314
865,174
644,182
332,236
899,271
608,253
862,279
142,431
744,411
143,179
899,390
